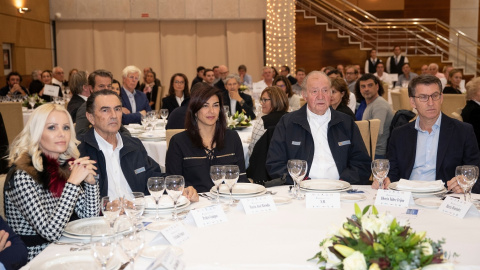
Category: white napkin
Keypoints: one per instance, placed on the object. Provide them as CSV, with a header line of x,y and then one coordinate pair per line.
x,y
417,185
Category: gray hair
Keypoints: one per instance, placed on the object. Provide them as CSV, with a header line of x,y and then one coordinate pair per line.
x,y
473,87
36,74
131,70
232,76
316,73
77,82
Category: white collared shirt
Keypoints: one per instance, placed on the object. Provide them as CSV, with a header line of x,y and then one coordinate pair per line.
x,y
117,183
131,98
323,164
180,100
84,97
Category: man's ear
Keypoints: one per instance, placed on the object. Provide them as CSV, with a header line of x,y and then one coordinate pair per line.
x,y
90,118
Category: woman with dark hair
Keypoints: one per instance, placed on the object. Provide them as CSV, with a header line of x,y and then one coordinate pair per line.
x,y
205,142
116,86
293,99
177,93
453,82
46,78
150,88
340,97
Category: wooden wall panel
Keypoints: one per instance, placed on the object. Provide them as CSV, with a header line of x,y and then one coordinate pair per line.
x,y
439,9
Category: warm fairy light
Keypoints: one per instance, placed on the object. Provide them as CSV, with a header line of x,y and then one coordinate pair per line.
x,y
280,31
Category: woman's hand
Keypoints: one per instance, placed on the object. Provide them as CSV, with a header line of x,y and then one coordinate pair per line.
x,y
82,169
191,194
4,243
235,95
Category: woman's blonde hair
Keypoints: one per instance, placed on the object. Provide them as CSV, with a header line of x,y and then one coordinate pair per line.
x,y
28,141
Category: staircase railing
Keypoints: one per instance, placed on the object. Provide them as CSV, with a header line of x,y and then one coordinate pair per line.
x,y
415,36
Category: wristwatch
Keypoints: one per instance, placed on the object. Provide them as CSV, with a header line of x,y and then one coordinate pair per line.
x,y
242,102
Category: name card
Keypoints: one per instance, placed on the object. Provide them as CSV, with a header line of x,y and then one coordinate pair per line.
x,y
176,233
168,260
258,204
51,90
457,207
323,200
393,198
208,216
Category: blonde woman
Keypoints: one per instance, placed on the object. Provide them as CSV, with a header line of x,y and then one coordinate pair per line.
x,y
48,185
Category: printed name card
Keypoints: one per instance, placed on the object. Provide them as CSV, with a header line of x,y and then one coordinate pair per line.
x,y
175,233
457,207
208,216
167,260
393,198
258,204
323,200
51,90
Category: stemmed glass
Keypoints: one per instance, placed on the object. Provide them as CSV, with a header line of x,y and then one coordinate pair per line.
x,y
32,101
164,115
134,205
227,110
132,242
111,208
156,187
174,185
152,117
232,172
103,245
466,177
145,121
217,173
380,168
297,169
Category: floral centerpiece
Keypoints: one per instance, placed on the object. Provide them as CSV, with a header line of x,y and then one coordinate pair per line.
x,y
371,241
242,88
238,120
38,101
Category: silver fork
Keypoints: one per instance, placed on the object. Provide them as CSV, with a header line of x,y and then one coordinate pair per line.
x,y
206,196
271,192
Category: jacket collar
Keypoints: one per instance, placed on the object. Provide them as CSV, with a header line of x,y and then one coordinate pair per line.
x,y
299,117
128,147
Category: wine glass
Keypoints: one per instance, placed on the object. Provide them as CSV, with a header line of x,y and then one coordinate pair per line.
x,y
297,169
466,177
103,245
145,121
164,115
132,241
111,208
227,110
217,173
134,205
380,168
156,186
174,185
232,173
32,101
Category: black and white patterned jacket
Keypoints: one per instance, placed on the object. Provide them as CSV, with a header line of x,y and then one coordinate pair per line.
x,y
32,210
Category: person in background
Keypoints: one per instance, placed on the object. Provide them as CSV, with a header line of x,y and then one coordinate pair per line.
x,y
293,99
424,70
150,88
340,97
245,79
274,72
453,82
116,86
383,76
371,62
396,61
13,252
433,70
236,100
134,101
205,142
209,77
47,80
223,72
299,75
341,69
176,120
50,185
216,71
72,71
285,71
36,85
13,86
471,111
80,92
406,76
58,77
200,75
178,93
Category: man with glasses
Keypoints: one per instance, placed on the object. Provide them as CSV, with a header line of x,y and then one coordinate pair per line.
x,y
328,140
135,102
59,77
223,72
351,74
431,147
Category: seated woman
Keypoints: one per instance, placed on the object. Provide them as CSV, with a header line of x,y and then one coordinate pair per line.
x,y
236,100
150,88
50,185
116,86
284,84
47,80
340,97
471,111
178,93
206,141
453,82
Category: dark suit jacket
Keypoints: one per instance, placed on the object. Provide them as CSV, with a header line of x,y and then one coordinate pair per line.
x,y
456,146
170,103
75,102
247,106
152,96
220,85
471,115
176,120
292,80
142,104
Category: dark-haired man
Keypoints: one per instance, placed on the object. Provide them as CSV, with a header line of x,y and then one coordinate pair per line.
x,y
285,71
200,75
13,86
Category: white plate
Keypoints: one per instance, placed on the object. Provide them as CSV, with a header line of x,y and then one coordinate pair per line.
x,y
392,186
167,210
154,251
78,260
352,197
134,126
165,202
241,196
240,189
84,226
281,200
157,226
429,202
395,184
324,184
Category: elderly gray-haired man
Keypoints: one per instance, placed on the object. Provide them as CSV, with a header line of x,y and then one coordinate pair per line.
x,y
237,101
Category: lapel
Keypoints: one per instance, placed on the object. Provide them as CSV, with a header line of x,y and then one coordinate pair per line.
x,y
446,133
411,137
125,100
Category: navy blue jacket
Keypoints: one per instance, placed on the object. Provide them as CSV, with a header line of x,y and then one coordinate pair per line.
x,y
142,103
351,159
15,256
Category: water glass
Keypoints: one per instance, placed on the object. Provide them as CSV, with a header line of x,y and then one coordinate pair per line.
x,y
111,208
134,205
175,185
133,241
103,245
217,173
227,110
297,169
164,115
232,172
380,168
466,177
156,187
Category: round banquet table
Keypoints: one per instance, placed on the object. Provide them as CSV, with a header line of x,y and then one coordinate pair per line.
x,y
289,236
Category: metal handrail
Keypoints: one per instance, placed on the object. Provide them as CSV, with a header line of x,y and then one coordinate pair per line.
x,y
418,36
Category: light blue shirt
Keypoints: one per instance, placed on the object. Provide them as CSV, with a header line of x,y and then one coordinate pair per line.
x,y
426,156
131,98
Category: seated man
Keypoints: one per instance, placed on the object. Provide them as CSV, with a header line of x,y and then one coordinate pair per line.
x,y
13,86
431,147
328,140
135,102
122,161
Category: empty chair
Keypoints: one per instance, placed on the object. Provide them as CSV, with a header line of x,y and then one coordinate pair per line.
x,y
12,118
453,103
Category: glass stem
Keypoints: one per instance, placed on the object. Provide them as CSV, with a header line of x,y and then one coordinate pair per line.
x,y
380,183
175,217
218,194
157,216
231,196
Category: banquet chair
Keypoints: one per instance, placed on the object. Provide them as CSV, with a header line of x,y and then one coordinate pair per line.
x,y
369,130
396,103
302,102
13,118
405,100
452,103
158,101
456,115
169,134
2,198
385,92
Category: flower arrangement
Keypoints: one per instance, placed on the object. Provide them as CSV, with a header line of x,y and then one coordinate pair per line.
x,y
238,120
371,241
38,101
242,88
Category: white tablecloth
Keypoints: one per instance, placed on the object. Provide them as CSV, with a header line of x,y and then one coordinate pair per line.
x,y
286,238
26,116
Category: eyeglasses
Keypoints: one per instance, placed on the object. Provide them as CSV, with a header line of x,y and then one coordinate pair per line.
x,y
350,73
424,98
179,82
264,100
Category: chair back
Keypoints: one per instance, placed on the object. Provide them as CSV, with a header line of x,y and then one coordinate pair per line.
x,y
170,132
2,196
452,103
385,90
13,118
369,130
396,103
405,100
302,101
456,115
158,101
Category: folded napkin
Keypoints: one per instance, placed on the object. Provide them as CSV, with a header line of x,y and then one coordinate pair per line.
x,y
417,185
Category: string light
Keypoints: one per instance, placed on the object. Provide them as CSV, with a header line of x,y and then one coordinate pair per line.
x,y
280,31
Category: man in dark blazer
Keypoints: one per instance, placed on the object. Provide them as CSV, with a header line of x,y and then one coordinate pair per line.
x,y
285,71
244,101
431,147
80,90
134,101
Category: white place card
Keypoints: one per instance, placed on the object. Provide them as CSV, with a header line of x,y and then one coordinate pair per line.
x,y
176,233
323,200
51,90
258,204
167,260
393,198
457,207
208,216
